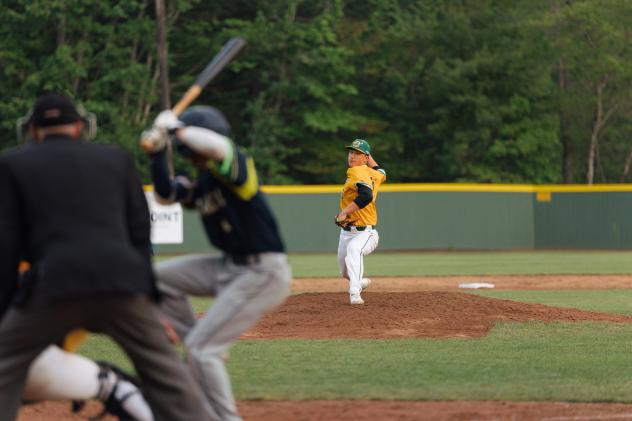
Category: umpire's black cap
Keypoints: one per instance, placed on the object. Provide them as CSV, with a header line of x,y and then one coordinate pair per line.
x,y
53,109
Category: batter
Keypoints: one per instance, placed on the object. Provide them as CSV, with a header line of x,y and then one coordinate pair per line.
x,y
249,278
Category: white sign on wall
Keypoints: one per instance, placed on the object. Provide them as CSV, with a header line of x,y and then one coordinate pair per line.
x,y
166,221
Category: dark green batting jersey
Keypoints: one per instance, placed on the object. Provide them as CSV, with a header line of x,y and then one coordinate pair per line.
x,y
235,214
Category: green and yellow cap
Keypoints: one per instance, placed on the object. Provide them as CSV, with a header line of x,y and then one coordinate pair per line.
x,y
360,145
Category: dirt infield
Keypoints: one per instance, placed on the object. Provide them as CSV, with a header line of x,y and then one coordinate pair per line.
x,y
408,307
425,314
383,410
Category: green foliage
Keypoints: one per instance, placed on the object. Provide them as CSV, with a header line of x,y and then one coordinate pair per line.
x,y
443,90
97,53
591,42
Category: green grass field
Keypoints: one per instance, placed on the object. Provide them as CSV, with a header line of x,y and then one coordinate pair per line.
x,y
527,361
516,361
472,263
604,301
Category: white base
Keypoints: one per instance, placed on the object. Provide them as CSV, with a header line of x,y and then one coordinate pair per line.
x,y
476,285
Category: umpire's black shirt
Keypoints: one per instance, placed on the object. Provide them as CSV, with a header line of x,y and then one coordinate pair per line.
x,y
77,212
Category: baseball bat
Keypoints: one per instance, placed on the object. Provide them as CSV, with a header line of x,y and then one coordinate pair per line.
x,y
216,65
225,56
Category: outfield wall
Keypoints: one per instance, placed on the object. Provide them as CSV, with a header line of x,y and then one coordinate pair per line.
x,y
452,216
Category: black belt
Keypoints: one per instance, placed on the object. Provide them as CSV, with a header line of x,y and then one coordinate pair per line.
x,y
348,228
244,259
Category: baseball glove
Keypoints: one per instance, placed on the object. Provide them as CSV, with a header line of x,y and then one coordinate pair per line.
x,y
345,223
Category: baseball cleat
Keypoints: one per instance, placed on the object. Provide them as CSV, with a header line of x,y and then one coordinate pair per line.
x,y
355,299
364,283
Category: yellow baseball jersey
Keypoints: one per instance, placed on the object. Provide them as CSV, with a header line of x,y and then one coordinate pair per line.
x,y
369,177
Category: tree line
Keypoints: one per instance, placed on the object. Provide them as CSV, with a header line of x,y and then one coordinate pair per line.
x,y
526,91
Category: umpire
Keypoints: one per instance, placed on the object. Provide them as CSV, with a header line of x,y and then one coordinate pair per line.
x,y
77,212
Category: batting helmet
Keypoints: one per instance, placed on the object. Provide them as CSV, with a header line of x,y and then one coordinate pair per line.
x,y
207,117
201,116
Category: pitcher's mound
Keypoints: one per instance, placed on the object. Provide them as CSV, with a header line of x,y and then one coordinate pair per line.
x,y
423,314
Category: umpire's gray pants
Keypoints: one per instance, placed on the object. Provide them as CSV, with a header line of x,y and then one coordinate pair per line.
x,y
130,320
243,294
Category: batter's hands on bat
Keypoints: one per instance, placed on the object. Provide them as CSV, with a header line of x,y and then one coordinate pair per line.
x,y
154,140
168,121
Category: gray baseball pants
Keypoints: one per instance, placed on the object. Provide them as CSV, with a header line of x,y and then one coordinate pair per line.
x,y
130,320
243,294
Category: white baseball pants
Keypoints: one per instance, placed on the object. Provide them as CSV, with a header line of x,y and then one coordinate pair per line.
x,y
352,247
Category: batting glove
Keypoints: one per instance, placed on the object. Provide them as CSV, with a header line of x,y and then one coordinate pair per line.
x,y
154,140
167,121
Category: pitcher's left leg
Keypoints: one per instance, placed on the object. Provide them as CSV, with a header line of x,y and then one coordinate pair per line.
x,y
362,244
